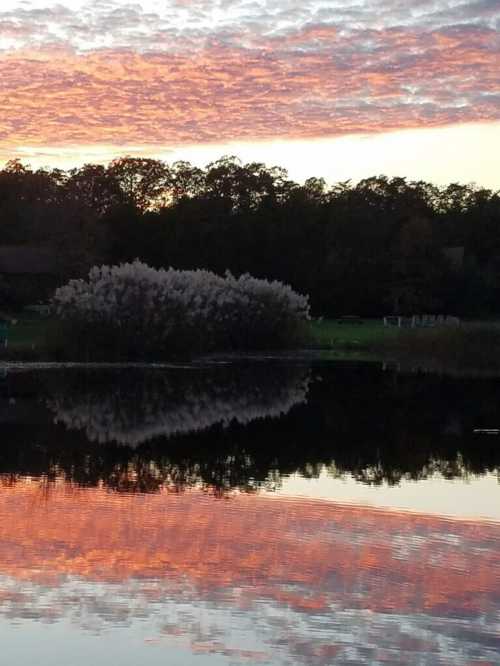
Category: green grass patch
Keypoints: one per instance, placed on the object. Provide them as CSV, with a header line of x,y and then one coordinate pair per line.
x,y
367,334
471,347
30,336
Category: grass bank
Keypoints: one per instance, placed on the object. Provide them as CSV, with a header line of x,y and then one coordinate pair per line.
x,y
34,337
364,335
30,337
472,346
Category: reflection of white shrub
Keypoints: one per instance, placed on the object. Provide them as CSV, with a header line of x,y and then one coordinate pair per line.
x,y
163,406
135,308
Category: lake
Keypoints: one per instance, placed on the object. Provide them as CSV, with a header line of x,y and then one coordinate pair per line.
x,y
266,511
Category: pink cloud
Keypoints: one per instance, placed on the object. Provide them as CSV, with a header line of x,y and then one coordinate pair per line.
x,y
368,81
126,75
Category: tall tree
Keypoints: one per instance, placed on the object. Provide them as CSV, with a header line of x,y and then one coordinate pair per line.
x,y
144,182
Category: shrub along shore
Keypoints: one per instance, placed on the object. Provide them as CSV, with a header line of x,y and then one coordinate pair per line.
x,y
474,345
132,312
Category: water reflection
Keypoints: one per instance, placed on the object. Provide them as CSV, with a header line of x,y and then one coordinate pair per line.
x,y
245,426
180,564
136,407
254,578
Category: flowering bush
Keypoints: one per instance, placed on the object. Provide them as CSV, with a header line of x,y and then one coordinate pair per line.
x,y
133,311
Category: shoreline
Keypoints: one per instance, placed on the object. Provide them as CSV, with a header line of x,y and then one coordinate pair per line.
x,y
470,349
402,364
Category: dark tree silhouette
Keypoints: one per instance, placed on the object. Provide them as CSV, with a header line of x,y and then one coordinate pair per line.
x,y
375,247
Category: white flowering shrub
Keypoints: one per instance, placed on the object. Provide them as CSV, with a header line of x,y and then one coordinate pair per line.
x,y
134,311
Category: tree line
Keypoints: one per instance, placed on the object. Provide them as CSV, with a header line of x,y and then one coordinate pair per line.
x,y
383,245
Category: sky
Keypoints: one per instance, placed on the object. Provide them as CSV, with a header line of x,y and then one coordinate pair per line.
x,y
334,88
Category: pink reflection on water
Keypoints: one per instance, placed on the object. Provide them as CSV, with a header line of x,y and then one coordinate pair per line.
x,y
314,559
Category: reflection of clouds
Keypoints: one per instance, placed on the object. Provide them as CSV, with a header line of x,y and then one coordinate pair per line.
x,y
162,405
251,578
255,630
311,556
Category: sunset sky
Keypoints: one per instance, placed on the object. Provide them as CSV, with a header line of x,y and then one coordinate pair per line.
x,y
334,88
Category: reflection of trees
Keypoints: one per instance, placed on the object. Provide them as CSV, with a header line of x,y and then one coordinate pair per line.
x,y
379,427
379,473
133,410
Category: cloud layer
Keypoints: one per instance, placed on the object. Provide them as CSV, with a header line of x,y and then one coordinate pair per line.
x,y
107,72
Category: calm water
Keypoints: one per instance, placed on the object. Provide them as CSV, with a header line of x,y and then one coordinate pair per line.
x,y
260,513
